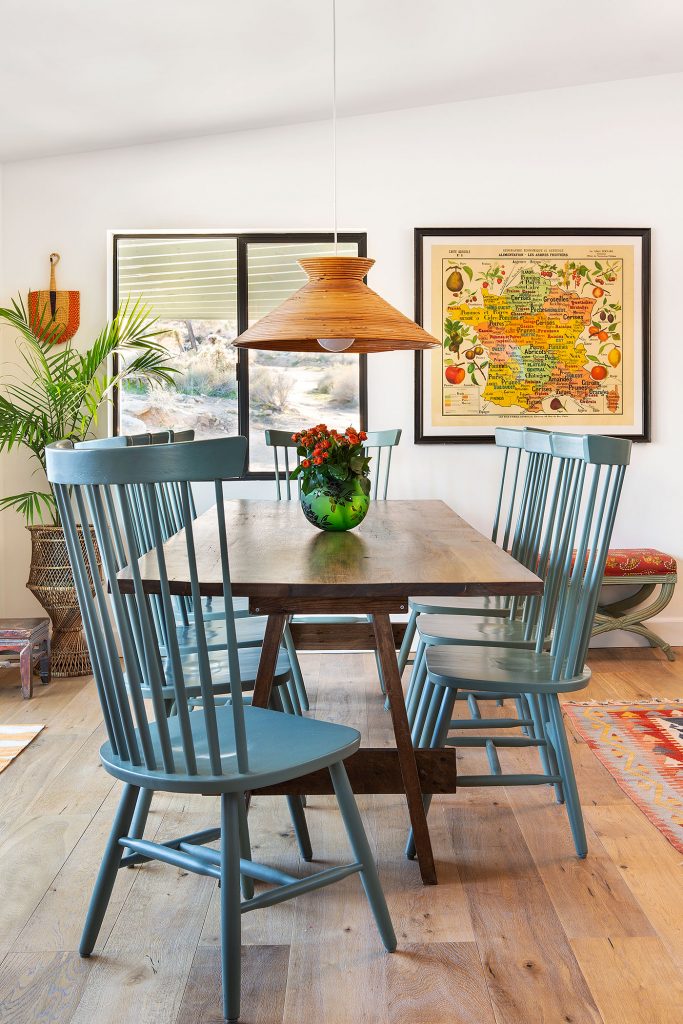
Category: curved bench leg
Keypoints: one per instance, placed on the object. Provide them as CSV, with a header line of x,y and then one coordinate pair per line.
x,y
630,615
654,639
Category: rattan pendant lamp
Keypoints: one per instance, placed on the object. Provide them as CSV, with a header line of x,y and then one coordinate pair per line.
x,y
335,311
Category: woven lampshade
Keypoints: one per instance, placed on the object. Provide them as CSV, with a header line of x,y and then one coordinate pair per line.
x,y
335,303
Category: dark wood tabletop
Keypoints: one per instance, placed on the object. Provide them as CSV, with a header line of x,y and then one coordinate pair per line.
x,y
402,548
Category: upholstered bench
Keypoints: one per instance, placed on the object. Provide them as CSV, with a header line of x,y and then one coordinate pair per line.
x,y
650,571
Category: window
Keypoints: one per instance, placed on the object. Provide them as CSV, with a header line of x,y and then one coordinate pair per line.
x,y
205,290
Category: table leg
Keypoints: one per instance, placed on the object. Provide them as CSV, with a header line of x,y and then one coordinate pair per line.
x,y
266,666
386,651
45,667
26,671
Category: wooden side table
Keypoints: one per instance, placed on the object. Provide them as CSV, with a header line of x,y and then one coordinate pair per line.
x,y
30,639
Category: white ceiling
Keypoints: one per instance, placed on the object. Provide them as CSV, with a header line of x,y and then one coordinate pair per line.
x,y
79,75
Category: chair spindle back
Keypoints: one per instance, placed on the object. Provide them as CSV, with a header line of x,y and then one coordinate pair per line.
x,y
380,444
596,467
284,450
102,487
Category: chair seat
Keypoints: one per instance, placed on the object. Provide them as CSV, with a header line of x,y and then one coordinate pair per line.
x,y
220,673
280,747
250,633
459,605
487,631
500,670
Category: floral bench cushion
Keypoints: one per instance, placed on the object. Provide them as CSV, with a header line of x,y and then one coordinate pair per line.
x,y
639,562
623,562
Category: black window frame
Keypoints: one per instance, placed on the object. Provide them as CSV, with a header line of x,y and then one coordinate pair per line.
x,y
243,240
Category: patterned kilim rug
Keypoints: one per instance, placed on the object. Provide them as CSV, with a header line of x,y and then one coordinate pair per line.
x,y
641,745
14,739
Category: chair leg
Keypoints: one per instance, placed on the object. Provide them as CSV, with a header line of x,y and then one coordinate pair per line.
x,y
285,700
298,816
231,923
416,679
295,665
108,868
417,676
245,849
142,806
363,854
538,732
544,715
296,803
382,684
422,709
523,712
408,638
293,697
571,793
428,730
438,739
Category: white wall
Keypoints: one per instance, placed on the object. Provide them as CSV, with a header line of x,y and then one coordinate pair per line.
x,y
603,155
3,355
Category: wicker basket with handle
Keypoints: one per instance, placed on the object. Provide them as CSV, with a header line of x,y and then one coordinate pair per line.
x,y
54,315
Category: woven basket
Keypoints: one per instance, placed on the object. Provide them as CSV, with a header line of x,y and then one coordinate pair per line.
x,y
54,314
51,582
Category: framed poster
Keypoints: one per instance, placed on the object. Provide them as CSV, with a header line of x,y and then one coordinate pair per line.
x,y
543,327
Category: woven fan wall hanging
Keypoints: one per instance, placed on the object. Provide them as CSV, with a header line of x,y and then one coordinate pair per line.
x,y
54,316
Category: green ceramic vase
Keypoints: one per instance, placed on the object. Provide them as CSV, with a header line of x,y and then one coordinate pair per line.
x,y
328,509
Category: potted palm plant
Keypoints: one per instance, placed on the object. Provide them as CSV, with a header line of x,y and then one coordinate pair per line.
x,y
57,392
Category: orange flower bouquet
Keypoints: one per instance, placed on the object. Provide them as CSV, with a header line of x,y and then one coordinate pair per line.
x,y
334,475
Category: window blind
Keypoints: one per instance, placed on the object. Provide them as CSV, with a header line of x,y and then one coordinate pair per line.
x,y
196,278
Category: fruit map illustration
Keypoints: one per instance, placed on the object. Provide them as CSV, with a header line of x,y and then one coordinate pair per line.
x,y
543,332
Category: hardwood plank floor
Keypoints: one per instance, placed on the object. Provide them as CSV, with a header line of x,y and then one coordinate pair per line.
x,y
518,932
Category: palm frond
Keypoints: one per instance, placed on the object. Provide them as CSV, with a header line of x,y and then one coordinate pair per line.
x,y
32,505
59,390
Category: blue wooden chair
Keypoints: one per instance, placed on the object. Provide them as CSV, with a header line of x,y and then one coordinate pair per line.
x,y
250,629
183,626
380,444
591,474
224,751
518,627
513,495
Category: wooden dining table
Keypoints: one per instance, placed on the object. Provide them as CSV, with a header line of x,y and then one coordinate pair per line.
x,y
285,567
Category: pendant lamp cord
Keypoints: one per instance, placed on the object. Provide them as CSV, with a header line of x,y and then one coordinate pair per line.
x,y
334,121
